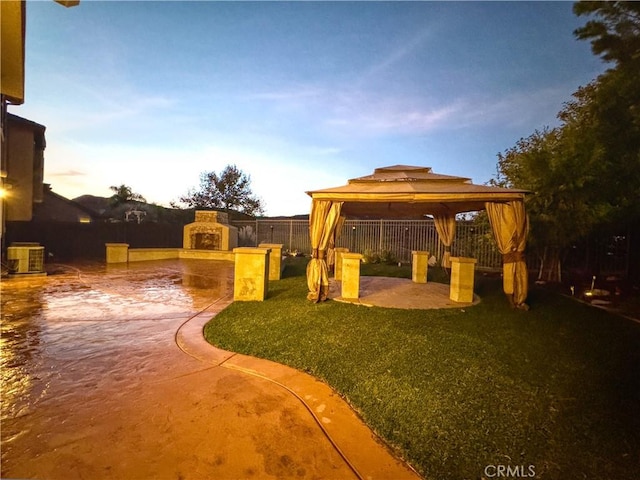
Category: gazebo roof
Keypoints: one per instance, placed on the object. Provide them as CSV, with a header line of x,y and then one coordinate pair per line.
x,y
404,191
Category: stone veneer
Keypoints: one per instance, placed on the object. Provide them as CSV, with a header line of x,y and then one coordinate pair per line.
x,y
210,231
462,279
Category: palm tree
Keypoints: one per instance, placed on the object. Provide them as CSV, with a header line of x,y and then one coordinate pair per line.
x,y
123,194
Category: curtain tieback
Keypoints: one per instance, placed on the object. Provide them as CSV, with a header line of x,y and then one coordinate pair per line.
x,y
513,257
319,254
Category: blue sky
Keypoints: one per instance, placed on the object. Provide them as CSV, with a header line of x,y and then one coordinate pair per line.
x,y
299,95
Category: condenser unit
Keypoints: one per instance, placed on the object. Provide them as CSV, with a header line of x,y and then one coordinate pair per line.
x,y
25,258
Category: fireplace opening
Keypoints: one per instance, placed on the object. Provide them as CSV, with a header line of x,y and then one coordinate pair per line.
x,y
207,241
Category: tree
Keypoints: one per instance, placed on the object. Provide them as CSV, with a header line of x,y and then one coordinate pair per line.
x,y
609,108
563,168
585,173
228,191
603,128
123,194
615,33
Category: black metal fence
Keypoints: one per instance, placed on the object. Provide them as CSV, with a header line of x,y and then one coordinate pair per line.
x,y
611,251
74,241
607,252
396,238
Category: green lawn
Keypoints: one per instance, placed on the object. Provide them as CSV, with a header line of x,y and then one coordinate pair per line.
x,y
455,390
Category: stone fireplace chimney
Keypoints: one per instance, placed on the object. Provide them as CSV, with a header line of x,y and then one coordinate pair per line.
x,y
210,231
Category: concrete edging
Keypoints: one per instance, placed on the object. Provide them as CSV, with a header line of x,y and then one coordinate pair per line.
x,y
365,453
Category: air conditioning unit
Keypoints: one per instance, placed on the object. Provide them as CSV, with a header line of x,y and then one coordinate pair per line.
x,y
23,257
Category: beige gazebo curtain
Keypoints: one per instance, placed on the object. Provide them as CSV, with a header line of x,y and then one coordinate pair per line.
x,y
322,224
510,227
446,228
331,251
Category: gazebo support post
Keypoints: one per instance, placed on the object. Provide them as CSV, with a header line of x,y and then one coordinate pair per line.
x,y
419,266
337,272
462,279
351,275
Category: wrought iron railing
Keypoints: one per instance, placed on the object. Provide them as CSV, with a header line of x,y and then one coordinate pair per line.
x,y
397,238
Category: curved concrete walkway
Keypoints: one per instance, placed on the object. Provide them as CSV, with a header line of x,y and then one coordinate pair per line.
x,y
106,374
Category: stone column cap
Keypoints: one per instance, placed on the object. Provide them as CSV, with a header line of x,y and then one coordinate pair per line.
x,y
117,244
418,252
464,260
271,245
252,250
350,255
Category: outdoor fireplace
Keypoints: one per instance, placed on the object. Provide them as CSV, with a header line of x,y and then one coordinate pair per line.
x,y
207,241
210,231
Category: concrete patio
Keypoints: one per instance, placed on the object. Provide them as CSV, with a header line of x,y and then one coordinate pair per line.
x,y
391,292
105,374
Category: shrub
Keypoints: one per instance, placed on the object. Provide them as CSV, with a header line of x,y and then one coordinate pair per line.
x,y
388,257
384,256
370,256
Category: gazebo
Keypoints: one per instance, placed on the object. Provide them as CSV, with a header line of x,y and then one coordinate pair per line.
x,y
412,192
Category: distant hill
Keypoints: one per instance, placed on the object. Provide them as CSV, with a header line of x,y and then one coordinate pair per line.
x,y
154,213
97,204
301,216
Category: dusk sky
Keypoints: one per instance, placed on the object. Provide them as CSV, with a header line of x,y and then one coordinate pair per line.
x,y
299,95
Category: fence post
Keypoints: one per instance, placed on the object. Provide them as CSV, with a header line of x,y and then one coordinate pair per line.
x,y
290,235
257,233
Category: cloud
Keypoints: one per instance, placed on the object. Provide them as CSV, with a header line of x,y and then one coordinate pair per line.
x,y
66,173
77,101
290,95
512,110
323,151
397,55
115,112
367,114
355,111
394,117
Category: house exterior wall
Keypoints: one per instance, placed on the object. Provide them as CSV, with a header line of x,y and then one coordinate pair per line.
x,y
19,205
24,167
12,35
56,208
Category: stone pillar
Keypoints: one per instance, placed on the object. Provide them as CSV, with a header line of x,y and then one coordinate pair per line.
x,y
275,259
117,252
462,278
337,268
419,266
251,273
351,275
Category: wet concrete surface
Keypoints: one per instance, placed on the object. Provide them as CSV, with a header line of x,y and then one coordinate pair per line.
x,y
105,374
